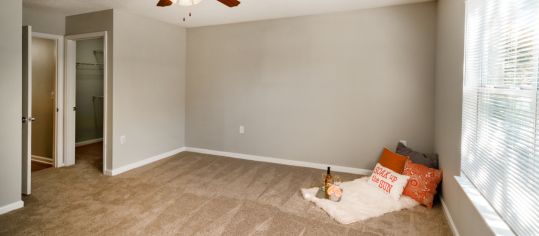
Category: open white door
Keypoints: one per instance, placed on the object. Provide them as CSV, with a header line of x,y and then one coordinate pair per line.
x,y
70,102
27,109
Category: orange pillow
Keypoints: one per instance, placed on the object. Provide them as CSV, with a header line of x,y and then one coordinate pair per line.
x,y
393,161
422,183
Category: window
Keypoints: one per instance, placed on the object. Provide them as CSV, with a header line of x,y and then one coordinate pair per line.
x,y
500,132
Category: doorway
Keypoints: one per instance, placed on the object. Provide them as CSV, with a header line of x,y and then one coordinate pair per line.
x,y
42,96
86,100
89,89
43,102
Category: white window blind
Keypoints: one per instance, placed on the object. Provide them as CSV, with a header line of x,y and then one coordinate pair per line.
x,y
500,132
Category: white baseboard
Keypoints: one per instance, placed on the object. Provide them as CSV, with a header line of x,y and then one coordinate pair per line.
x,y
449,218
108,172
117,171
12,206
41,159
335,168
87,142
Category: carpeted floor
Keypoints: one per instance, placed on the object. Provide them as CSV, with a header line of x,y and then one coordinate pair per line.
x,y
192,194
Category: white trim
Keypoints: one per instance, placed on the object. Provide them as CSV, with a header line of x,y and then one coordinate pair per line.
x,y
449,218
496,224
10,207
85,36
88,142
105,99
46,160
335,168
144,162
47,36
149,160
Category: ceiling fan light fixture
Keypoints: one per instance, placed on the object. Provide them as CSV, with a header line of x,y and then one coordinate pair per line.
x,y
230,3
164,3
187,2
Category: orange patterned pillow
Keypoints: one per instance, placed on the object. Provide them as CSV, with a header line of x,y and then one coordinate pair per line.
x,y
422,183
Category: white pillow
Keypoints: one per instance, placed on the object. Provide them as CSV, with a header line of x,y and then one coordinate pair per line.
x,y
388,181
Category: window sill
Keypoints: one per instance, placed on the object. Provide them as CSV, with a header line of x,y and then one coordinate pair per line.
x,y
489,215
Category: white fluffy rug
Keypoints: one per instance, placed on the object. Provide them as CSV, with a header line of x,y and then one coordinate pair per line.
x,y
360,201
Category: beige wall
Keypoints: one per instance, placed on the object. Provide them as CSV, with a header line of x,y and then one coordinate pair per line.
x,y
149,82
449,72
10,101
43,89
146,96
331,89
44,20
97,22
89,94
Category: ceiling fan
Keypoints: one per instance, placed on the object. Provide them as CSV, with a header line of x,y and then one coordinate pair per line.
x,y
166,3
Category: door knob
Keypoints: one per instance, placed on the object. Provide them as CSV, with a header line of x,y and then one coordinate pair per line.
x,y
29,119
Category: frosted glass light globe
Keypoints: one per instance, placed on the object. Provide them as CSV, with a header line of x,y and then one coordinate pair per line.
x,y
187,2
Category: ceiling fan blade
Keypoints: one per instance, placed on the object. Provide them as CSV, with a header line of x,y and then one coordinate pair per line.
x,y
230,3
164,3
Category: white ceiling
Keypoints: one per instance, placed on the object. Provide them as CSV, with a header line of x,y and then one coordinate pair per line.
x,y
212,12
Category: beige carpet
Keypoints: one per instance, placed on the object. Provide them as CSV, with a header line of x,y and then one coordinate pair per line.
x,y
192,194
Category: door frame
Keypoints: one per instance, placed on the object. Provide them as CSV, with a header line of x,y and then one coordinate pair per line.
x,y
58,130
70,91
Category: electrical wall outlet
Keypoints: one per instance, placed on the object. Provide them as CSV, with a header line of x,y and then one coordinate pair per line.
x,y
242,129
403,142
123,139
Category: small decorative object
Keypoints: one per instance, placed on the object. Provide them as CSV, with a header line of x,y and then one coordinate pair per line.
x,y
328,181
330,188
334,192
321,193
337,180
